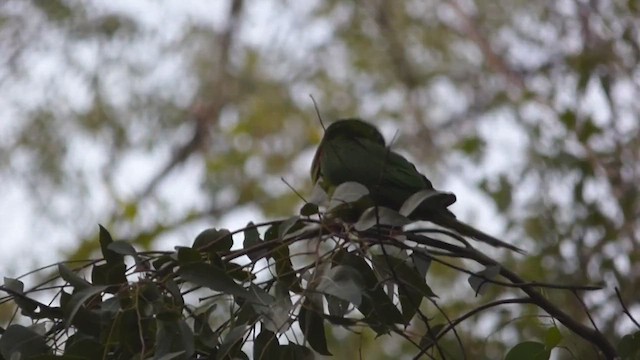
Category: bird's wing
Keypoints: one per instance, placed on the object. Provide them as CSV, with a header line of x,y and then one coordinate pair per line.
x,y
390,177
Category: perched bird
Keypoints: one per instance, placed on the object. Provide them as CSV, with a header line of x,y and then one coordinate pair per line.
x,y
354,150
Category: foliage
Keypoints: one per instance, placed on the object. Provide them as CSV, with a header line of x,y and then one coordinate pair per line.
x,y
280,296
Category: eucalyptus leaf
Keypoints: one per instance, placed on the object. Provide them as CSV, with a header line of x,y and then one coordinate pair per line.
x,y
481,278
347,192
380,215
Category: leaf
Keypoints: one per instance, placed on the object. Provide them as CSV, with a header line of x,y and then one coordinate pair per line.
x,y
28,306
421,261
380,215
286,226
528,350
18,339
109,255
251,239
213,240
78,299
265,346
309,209
187,255
318,195
206,338
294,352
82,346
404,274
416,200
376,306
109,274
312,326
337,306
343,282
274,311
213,278
174,338
72,278
552,338
412,287
284,268
629,346
347,192
230,340
125,248
478,280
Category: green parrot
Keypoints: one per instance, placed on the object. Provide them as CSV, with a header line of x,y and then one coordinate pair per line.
x,y
354,150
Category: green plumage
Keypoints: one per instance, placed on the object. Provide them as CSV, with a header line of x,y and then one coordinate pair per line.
x,y
353,150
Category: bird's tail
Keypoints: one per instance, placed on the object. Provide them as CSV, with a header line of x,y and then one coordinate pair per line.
x,y
468,230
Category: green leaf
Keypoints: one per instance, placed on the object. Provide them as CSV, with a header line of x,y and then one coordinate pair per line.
x,y
347,192
309,209
481,278
28,306
237,272
528,350
251,239
174,337
312,326
379,311
213,240
284,268
188,255
380,215
274,311
294,352
272,232
423,196
78,298
265,346
124,248
412,287
343,282
206,338
18,339
84,347
72,278
109,255
286,226
230,341
337,306
318,195
213,278
389,266
552,338
629,346
109,274
421,261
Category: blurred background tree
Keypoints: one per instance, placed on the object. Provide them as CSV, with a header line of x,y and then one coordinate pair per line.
x,y
157,119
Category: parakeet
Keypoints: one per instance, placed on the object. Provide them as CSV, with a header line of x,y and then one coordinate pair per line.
x,y
354,150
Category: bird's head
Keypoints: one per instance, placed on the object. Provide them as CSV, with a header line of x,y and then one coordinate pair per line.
x,y
353,128
347,129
